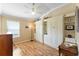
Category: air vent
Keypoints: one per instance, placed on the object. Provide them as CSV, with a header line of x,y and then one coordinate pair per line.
x,y
37,19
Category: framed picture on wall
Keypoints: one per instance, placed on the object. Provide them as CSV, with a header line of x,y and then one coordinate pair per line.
x,y
69,27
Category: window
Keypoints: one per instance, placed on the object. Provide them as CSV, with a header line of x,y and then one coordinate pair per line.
x,y
13,27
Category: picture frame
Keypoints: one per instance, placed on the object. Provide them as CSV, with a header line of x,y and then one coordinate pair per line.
x,y
69,27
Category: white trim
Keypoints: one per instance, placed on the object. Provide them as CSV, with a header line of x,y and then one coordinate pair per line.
x,y
20,41
70,14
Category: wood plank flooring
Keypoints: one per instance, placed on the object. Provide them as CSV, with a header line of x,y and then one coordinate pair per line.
x,y
34,49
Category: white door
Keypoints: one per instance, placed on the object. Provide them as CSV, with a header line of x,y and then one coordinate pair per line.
x,y
54,31
51,37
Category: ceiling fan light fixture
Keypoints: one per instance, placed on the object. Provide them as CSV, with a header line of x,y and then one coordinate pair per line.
x,y
33,13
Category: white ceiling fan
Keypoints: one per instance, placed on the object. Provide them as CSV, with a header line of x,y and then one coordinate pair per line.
x,y
33,8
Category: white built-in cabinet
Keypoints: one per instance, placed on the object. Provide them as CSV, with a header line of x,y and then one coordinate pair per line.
x,y
54,35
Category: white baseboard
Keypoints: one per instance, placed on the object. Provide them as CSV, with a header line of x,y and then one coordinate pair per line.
x,y
20,41
48,45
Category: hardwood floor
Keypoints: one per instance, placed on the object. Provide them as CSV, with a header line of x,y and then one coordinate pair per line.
x,y
34,49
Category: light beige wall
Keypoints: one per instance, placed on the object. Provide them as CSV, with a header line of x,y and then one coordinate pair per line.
x,y
0,24
3,26
25,33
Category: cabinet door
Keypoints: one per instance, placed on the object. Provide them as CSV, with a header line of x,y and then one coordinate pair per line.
x,y
60,29
55,31
51,37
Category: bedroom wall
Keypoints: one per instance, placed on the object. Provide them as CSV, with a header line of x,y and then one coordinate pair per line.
x,y
25,33
0,24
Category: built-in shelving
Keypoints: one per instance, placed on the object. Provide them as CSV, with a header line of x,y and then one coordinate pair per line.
x,y
69,26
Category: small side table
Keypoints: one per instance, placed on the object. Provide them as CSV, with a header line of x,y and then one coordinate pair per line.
x,y
68,51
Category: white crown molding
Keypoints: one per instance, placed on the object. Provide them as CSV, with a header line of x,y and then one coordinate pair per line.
x,y
53,10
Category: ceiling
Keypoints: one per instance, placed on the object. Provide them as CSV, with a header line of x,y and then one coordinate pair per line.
x,y
25,9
